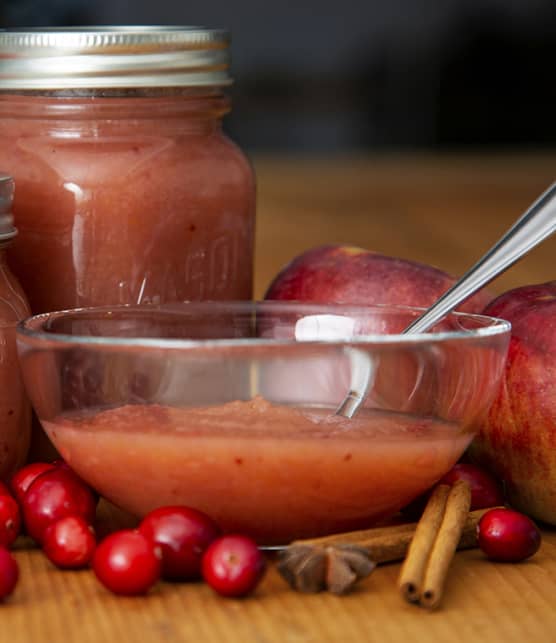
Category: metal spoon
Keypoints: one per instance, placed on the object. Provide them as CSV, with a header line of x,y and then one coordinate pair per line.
x,y
535,225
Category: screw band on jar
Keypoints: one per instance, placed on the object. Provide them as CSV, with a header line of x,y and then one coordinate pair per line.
x,y
103,57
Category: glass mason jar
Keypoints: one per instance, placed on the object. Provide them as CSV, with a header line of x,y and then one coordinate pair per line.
x,y
127,189
15,411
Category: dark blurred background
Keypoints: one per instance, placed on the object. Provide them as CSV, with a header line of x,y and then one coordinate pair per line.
x,y
316,76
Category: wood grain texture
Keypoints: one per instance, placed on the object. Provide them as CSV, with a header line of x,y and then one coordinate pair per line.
x,y
483,601
445,211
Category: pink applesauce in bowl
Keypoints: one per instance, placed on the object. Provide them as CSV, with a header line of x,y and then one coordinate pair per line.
x,y
245,463
228,408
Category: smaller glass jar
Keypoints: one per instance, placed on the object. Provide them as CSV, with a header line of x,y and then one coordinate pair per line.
x,y
15,411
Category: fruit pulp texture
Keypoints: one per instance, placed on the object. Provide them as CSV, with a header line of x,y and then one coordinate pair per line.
x,y
270,471
126,200
15,410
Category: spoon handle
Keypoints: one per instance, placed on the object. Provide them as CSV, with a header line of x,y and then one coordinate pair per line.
x,y
537,223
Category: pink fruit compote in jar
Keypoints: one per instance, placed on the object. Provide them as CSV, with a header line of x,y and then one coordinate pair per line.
x,y
128,190
15,412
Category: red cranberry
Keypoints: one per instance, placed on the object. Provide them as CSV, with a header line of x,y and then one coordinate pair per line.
x,y
4,491
24,478
54,495
485,490
9,573
233,565
69,543
126,562
183,535
10,520
507,535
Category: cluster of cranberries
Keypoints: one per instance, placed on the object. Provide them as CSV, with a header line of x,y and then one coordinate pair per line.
x,y
177,543
57,509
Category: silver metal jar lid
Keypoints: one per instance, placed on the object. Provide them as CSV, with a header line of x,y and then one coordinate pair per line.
x,y
7,229
113,57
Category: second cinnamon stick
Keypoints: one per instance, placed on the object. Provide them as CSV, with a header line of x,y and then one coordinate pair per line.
x,y
390,544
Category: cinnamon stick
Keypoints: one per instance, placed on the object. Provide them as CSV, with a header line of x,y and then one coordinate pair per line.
x,y
390,544
436,539
457,509
413,569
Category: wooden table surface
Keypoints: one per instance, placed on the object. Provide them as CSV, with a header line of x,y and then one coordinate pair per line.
x,y
445,211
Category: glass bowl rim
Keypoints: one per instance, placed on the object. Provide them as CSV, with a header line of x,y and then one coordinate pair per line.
x,y
33,327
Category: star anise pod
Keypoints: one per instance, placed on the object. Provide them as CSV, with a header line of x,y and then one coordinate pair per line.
x,y
336,568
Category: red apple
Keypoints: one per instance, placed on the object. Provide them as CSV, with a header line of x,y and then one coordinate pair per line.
x,y
346,274
518,440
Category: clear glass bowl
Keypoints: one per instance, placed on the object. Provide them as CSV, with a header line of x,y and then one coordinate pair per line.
x,y
229,407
